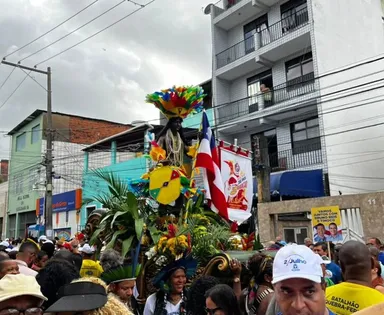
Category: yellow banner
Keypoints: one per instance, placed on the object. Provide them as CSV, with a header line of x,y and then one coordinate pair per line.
x,y
326,223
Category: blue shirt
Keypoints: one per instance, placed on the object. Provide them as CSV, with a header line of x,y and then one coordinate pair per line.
x,y
336,272
318,238
335,239
381,257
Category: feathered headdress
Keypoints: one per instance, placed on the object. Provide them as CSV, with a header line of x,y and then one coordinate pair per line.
x,y
188,264
120,273
178,101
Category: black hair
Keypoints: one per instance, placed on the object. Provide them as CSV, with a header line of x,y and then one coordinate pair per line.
x,y
3,248
49,248
28,246
260,265
224,298
196,294
40,255
324,246
4,257
320,224
54,275
12,254
74,259
168,126
160,303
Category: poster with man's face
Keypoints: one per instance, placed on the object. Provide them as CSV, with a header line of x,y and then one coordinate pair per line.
x,y
326,224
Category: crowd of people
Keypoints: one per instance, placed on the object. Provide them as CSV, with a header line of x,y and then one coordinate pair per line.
x,y
54,277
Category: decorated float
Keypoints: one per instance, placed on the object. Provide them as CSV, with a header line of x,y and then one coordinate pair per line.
x,y
166,214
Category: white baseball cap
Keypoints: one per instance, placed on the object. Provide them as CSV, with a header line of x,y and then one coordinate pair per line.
x,y
296,261
87,249
42,239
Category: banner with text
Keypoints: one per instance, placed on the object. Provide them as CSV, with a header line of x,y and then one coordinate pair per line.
x,y
326,224
236,170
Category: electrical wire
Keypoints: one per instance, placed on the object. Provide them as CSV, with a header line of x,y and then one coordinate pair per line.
x,y
73,31
93,35
7,78
52,29
5,102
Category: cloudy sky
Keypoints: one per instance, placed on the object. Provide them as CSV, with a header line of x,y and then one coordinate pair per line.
x,y
166,43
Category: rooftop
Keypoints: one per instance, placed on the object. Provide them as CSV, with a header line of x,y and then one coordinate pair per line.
x,y
39,112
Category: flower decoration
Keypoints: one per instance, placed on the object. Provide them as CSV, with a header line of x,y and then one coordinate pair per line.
x,y
178,101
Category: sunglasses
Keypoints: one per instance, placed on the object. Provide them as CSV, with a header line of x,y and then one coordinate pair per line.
x,y
30,311
212,311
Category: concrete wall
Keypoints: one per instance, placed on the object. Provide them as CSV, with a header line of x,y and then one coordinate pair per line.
x,y
371,209
349,33
3,208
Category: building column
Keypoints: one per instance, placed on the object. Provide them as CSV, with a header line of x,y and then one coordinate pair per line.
x,y
113,152
86,161
17,226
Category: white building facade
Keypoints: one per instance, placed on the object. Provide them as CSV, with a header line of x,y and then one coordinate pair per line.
x,y
305,74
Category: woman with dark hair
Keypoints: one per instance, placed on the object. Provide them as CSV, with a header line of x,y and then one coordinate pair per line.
x,y
49,248
171,280
260,291
196,294
221,300
53,276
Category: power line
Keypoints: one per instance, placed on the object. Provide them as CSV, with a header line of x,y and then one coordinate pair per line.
x,y
5,102
6,79
93,35
75,30
52,29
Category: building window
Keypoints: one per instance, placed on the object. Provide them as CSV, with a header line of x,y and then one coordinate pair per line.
x,y
89,210
18,183
306,136
21,141
250,29
253,86
295,235
299,70
293,14
35,134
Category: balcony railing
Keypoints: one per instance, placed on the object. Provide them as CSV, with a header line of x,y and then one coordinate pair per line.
x,y
282,28
260,101
235,52
262,38
288,160
224,5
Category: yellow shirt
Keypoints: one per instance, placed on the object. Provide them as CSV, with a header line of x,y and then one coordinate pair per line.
x,y
347,298
90,268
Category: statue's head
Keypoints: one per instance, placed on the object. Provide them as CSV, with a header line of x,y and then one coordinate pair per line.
x,y
175,123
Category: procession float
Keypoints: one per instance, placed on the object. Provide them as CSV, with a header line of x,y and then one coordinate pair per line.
x,y
166,215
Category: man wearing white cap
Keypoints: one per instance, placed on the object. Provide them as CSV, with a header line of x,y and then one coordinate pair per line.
x,y
298,282
89,267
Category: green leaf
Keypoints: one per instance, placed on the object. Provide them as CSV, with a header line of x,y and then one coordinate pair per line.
x,y
155,234
106,217
139,228
117,214
126,246
114,237
132,204
94,237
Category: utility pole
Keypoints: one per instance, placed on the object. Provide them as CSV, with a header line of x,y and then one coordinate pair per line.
x,y
262,169
48,156
49,138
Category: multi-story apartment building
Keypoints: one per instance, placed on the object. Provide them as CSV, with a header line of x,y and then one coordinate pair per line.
x,y
27,172
298,72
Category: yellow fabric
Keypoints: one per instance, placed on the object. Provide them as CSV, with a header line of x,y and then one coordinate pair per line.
x,y
90,268
160,178
347,298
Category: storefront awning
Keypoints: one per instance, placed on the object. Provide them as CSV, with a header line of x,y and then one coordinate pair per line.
x,y
296,183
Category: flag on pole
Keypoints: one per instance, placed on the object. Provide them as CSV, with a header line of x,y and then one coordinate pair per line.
x,y
207,160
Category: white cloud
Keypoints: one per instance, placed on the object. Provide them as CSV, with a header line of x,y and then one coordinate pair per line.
x,y
108,76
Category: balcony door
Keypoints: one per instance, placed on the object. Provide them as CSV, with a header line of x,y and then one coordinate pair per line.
x,y
253,85
250,29
293,14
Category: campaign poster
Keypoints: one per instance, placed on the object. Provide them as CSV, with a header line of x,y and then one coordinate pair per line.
x,y
236,171
326,224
